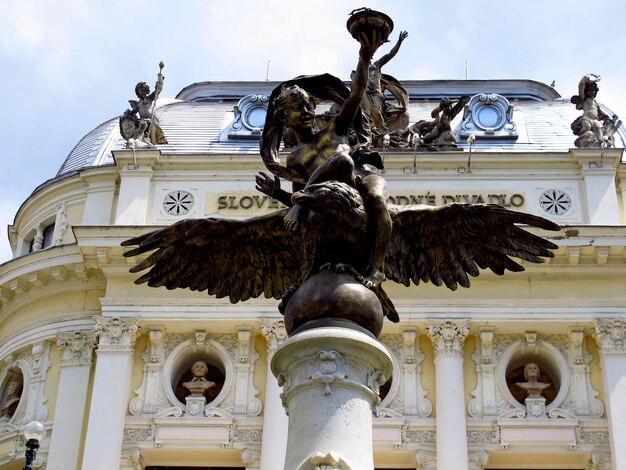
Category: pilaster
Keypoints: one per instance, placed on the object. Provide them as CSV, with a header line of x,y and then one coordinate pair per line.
x,y
103,442
71,403
598,167
274,417
609,335
135,169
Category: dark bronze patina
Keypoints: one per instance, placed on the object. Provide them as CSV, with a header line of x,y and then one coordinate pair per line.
x,y
328,253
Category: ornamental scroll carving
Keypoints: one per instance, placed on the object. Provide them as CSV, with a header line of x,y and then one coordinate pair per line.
x,y
116,334
77,347
326,367
609,335
274,333
448,337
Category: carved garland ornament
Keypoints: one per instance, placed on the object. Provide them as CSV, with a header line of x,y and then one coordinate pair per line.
x,y
609,335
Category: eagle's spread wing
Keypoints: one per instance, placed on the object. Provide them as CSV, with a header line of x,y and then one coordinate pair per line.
x,y
235,258
444,244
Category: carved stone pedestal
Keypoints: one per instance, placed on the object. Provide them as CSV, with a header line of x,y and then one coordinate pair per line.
x,y
330,378
536,406
194,406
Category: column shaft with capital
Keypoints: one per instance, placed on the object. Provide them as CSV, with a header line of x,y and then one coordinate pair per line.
x,y
274,447
448,338
109,399
610,336
70,410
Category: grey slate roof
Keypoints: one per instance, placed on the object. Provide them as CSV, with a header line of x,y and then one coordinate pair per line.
x,y
195,127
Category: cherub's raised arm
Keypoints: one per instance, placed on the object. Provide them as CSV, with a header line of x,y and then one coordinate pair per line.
x,y
392,53
357,90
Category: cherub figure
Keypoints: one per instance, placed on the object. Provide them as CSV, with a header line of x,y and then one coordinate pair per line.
x,y
325,155
438,134
139,125
594,128
374,102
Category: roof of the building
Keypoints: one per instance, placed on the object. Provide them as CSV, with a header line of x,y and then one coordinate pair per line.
x,y
196,121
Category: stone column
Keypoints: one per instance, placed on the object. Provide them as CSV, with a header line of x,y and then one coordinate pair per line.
x,y
275,421
69,414
331,377
103,442
448,338
610,335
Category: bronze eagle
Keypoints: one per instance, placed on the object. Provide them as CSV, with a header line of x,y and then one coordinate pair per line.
x,y
243,259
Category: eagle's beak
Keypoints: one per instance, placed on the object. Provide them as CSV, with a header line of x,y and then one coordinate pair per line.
x,y
302,198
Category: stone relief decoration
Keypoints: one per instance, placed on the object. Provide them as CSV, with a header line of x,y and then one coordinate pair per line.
x,y
484,402
426,459
405,396
77,347
23,377
418,436
240,434
326,367
586,401
448,337
274,333
591,438
600,461
555,202
130,459
609,335
168,361
563,365
249,117
116,334
488,116
251,457
329,461
139,434
178,202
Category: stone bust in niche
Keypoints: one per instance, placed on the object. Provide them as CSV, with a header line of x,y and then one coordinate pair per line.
x,y
11,399
198,385
532,386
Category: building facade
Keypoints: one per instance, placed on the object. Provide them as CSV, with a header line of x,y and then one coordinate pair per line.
x,y
101,361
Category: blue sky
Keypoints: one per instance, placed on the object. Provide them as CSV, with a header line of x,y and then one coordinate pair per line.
x,y
69,65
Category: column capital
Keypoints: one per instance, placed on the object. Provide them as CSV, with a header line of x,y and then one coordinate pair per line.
x,y
609,335
274,333
77,347
117,334
251,458
448,336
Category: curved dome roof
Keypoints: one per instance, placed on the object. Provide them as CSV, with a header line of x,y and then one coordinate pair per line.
x,y
197,125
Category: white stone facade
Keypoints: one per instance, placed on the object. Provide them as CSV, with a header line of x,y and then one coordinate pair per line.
x,y
100,357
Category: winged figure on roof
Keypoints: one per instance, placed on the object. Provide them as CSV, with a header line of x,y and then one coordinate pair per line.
x,y
337,217
139,125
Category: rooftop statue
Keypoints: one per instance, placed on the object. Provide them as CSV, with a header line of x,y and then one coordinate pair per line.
x,y
338,239
139,125
438,134
594,128
384,116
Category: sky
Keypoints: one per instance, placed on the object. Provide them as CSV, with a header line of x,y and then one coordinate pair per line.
x,y
66,66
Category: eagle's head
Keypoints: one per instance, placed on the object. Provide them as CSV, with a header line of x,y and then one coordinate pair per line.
x,y
332,199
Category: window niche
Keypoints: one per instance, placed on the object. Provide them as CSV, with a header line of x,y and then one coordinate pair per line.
x,y
553,379
12,390
180,369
